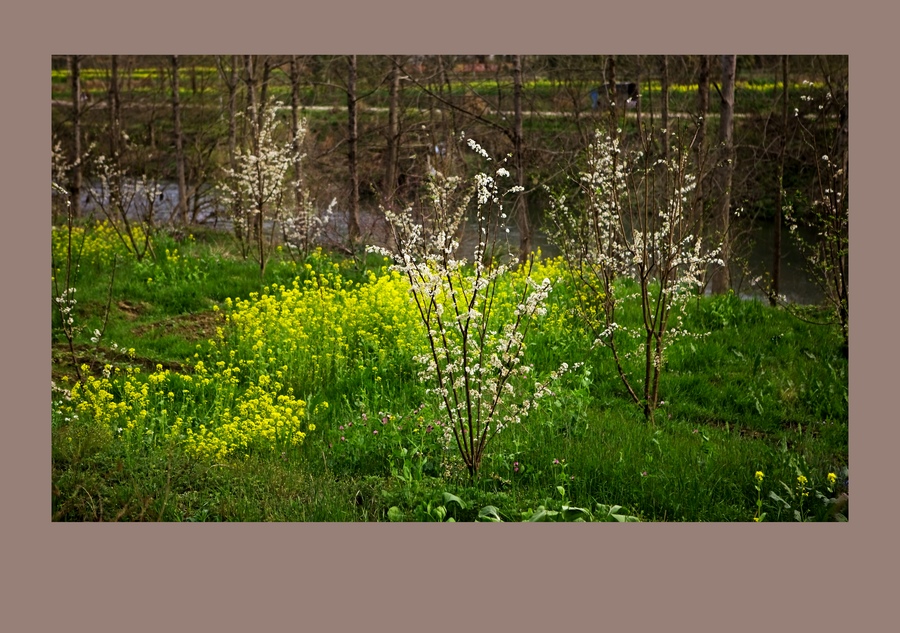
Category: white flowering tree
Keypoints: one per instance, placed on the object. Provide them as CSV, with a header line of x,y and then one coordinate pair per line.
x,y
828,257
475,363
631,219
65,271
258,189
129,205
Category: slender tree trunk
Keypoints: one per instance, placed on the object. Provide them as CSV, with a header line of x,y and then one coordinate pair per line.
x,y
77,167
519,143
664,89
721,280
389,188
255,109
444,83
611,94
700,147
115,114
231,79
179,146
353,231
115,106
299,201
702,126
779,202
264,88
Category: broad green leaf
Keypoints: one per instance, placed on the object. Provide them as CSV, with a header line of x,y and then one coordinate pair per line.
x,y
575,514
448,497
772,495
489,513
394,514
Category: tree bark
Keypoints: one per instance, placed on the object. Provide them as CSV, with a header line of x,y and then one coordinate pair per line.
x,y
77,168
250,82
700,146
611,94
721,280
301,211
698,218
179,146
779,202
353,231
115,106
664,89
521,203
255,109
230,78
389,188
115,114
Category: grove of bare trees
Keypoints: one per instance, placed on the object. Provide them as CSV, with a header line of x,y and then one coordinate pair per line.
x,y
371,129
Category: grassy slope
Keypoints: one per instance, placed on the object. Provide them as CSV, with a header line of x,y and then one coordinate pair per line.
x,y
761,388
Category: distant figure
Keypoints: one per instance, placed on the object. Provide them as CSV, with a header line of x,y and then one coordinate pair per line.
x,y
626,95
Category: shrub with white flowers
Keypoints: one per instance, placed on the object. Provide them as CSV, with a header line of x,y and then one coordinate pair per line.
x,y
631,219
475,364
259,190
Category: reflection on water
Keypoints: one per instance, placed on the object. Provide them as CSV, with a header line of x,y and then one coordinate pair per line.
x,y
753,257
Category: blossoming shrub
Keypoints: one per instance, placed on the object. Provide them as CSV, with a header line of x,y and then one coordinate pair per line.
x,y
474,359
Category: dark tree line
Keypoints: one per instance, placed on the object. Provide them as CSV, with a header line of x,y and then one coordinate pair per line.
x,y
379,124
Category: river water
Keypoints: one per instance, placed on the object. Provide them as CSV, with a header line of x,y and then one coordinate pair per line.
x,y
754,254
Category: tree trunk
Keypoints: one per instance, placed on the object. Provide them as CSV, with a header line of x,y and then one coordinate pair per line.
x,y
255,109
264,88
389,187
779,202
252,105
611,94
700,146
664,89
231,79
115,108
301,211
77,168
115,114
179,146
353,231
721,280
519,143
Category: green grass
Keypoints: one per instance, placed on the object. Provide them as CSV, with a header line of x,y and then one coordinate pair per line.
x,y
762,391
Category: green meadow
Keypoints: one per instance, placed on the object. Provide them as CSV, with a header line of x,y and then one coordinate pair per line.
x,y
186,388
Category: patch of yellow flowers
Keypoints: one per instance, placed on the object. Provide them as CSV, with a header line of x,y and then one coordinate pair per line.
x,y
205,412
240,395
97,245
313,331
